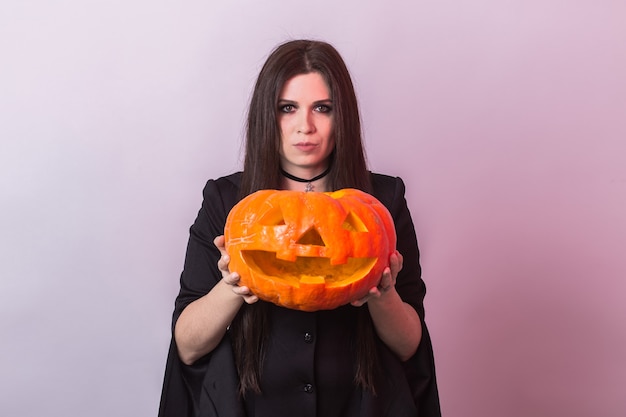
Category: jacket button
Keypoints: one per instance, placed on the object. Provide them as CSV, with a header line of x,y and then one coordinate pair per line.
x,y
308,337
308,388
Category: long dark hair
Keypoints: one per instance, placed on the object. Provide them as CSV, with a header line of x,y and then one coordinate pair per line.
x,y
262,171
262,161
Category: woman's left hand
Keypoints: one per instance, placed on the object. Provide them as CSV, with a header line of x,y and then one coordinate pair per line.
x,y
387,281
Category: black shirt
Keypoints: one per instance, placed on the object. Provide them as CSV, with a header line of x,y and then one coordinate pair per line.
x,y
310,364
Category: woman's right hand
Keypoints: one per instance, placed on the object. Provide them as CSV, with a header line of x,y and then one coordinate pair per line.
x,y
232,278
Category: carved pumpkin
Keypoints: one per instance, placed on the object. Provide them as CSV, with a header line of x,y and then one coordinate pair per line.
x,y
309,250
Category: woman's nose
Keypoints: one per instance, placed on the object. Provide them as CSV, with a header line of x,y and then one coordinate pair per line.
x,y
305,124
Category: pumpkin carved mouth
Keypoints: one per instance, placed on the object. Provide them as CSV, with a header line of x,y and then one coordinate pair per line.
x,y
266,263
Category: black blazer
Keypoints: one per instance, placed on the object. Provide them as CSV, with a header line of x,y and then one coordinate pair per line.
x,y
209,386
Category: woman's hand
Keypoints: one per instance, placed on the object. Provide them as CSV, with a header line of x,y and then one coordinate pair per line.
x,y
387,281
232,278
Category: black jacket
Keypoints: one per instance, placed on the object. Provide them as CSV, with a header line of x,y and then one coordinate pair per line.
x,y
209,387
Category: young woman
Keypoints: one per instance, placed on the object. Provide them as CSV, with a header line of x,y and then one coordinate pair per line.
x,y
234,355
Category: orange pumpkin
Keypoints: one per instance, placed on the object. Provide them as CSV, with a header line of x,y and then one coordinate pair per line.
x,y
309,250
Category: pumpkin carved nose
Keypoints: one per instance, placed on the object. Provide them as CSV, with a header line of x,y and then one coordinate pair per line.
x,y
311,237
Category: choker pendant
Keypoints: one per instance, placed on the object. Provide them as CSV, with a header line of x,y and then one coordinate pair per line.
x,y
309,183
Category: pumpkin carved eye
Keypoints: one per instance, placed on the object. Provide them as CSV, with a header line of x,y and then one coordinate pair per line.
x,y
309,251
272,217
353,223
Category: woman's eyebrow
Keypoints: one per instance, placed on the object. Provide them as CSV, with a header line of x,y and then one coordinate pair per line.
x,y
322,101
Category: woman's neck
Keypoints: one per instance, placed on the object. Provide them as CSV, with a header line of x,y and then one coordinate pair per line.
x,y
312,181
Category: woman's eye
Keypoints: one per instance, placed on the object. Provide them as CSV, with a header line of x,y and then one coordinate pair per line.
x,y
323,108
287,108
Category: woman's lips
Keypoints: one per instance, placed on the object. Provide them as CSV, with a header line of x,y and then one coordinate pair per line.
x,y
305,146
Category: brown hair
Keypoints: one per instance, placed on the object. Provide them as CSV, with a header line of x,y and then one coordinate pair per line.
x,y
262,171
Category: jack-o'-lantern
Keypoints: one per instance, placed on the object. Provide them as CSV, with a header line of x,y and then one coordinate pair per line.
x,y
309,250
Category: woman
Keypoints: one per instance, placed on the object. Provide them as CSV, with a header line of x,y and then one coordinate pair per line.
x,y
233,355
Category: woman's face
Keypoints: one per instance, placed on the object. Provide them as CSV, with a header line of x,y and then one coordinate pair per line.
x,y
305,118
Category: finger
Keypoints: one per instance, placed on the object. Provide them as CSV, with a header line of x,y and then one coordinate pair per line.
x,y
372,293
223,262
246,294
232,279
395,263
375,292
251,299
359,303
400,258
242,291
386,280
220,244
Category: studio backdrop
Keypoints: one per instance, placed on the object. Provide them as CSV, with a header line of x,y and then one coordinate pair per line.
x,y
506,120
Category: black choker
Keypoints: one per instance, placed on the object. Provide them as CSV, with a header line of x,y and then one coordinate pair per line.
x,y
309,186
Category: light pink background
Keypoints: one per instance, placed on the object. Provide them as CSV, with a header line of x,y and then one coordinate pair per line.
x,y
506,119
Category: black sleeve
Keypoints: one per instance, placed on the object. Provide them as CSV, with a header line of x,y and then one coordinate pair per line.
x,y
200,273
182,383
420,368
409,282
